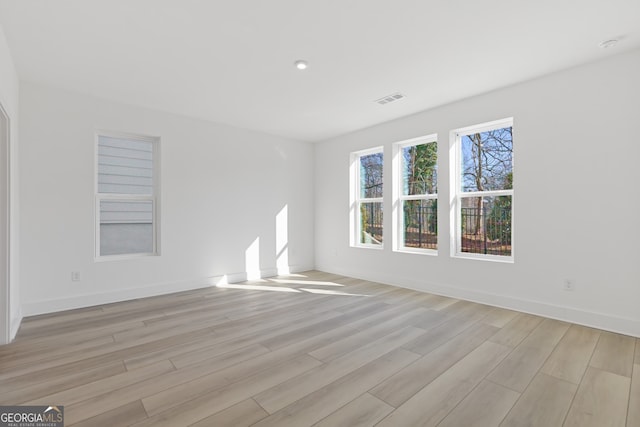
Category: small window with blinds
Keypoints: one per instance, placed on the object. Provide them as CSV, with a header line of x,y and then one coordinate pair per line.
x,y
126,195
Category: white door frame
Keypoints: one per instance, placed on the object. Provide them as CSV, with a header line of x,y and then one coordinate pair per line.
x,y
5,186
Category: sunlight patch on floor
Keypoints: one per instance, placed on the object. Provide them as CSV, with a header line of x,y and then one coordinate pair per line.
x,y
305,282
331,292
258,288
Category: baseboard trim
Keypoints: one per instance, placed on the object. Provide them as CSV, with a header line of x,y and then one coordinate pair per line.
x,y
88,300
592,319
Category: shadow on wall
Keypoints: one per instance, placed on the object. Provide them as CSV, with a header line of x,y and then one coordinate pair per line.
x,y
128,238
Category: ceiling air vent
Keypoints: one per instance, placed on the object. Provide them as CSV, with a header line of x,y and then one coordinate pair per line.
x,y
390,98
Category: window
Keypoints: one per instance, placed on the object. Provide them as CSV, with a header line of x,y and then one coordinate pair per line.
x,y
126,195
416,171
367,190
483,191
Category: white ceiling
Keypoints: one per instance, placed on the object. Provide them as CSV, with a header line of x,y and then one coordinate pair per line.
x,y
231,61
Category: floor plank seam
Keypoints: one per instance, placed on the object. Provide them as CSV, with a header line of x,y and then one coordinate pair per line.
x,y
582,379
630,389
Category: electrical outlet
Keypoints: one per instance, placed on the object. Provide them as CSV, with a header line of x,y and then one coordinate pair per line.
x,y
75,276
569,285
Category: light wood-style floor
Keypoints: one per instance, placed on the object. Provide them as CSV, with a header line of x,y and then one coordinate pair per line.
x,y
323,350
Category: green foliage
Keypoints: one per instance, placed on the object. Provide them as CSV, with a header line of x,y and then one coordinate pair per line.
x,y
420,173
422,168
499,220
508,181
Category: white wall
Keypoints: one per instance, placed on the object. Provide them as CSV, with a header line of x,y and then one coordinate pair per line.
x,y
9,90
221,189
576,174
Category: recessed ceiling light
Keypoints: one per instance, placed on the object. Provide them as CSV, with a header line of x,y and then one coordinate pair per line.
x,y
607,43
301,64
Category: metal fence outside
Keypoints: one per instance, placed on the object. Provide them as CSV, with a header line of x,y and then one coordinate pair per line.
x,y
486,231
421,227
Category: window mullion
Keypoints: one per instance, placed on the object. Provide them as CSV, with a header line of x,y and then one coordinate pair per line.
x,y
487,193
419,197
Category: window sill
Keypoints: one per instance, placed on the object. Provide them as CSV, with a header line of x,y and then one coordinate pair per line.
x,y
490,258
124,257
374,247
429,252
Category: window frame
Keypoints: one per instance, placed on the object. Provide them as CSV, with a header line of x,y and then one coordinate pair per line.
x,y
357,199
455,180
399,198
154,197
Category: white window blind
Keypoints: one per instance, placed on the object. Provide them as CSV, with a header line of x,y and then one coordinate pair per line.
x,y
126,195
